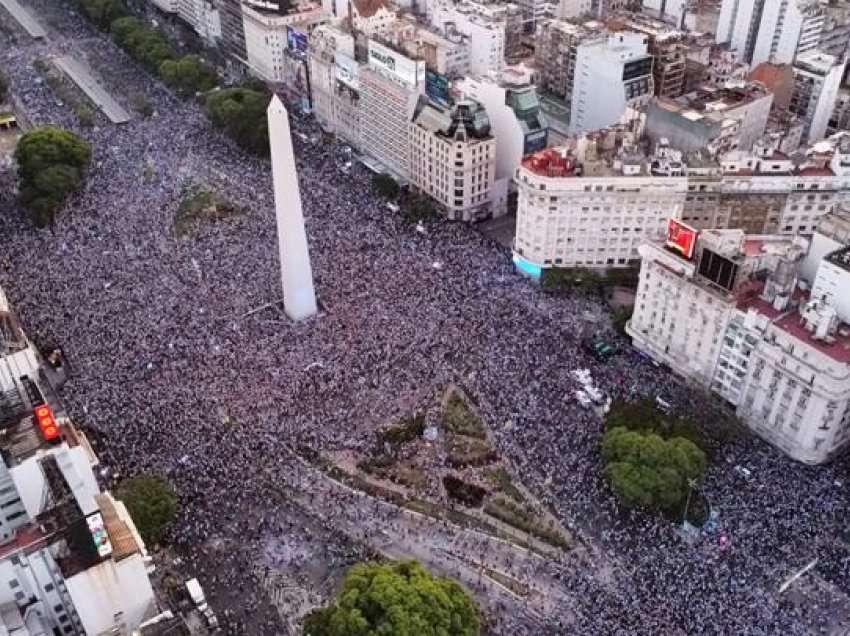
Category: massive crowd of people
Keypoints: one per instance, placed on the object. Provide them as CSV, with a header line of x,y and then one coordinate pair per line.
x,y
179,365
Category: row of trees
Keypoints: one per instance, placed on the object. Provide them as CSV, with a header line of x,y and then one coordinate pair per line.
x,y
186,75
4,87
238,112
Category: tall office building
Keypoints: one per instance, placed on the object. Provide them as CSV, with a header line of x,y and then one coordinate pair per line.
x,y
770,30
390,86
817,79
611,74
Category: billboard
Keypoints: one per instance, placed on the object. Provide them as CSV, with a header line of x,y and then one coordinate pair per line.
x,y
99,534
296,41
718,269
437,88
347,70
405,69
535,140
681,238
46,422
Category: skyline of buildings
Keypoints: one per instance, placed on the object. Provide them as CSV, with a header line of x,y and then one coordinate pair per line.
x,y
603,121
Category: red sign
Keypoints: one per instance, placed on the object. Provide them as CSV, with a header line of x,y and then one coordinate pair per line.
x,y
681,238
46,422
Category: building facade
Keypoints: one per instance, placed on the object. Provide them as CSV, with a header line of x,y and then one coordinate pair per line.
x,y
728,311
594,204
389,89
453,158
817,79
611,74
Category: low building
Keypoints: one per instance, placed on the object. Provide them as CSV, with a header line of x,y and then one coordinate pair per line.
x,y
453,158
594,203
372,17
730,312
711,119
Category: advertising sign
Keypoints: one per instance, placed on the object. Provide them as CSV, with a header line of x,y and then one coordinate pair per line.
x,y
681,238
437,88
534,141
99,534
296,41
347,70
397,64
46,422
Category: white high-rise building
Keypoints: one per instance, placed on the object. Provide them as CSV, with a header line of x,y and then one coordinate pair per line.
x,y
817,80
770,30
390,87
611,74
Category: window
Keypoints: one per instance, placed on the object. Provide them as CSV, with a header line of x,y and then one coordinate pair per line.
x,y
58,608
49,587
14,583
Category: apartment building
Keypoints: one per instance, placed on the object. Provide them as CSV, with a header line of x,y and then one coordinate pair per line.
x,y
453,158
817,80
731,312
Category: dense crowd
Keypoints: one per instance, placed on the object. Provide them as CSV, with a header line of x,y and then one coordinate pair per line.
x,y
176,366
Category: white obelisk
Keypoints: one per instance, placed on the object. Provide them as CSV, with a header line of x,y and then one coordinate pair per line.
x,y
299,297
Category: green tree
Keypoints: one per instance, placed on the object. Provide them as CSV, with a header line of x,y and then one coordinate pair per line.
x,y
620,317
648,471
385,186
188,75
4,87
241,114
152,503
577,279
399,598
103,12
419,207
52,163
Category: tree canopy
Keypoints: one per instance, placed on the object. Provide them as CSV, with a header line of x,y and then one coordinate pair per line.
x,y
188,75
4,87
385,186
646,470
52,163
399,598
145,44
241,114
103,12
152,503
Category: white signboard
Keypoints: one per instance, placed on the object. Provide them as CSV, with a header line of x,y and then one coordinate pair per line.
x,y
347,70
405,69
